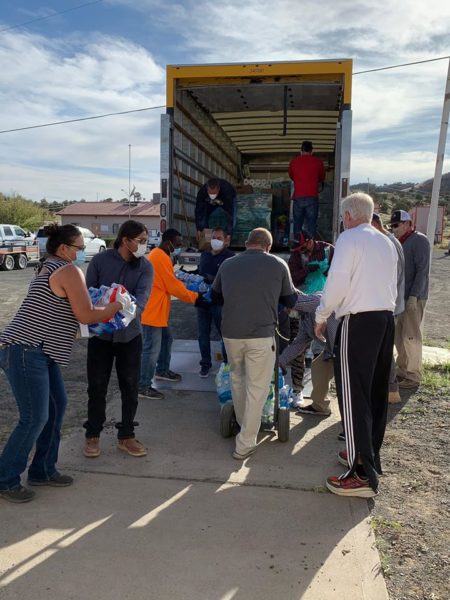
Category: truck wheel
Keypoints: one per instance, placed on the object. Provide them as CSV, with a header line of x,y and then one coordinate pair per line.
x,y
227,419
283,425
8,263
21,261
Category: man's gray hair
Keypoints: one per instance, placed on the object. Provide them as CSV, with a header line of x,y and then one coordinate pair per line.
x,y
359,205
260,237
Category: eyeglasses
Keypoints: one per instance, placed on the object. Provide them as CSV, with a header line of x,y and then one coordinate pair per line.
x,y
77,247
140,240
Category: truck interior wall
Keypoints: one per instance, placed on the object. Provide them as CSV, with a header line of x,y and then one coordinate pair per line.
x,y
201,151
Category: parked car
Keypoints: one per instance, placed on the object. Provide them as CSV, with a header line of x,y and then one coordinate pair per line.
x,y
154,238
93,244
14,233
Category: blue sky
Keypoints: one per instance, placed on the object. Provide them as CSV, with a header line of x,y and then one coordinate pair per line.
x,y
111,56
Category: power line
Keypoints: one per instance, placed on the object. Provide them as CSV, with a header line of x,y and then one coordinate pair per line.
x,y
55,14
417,62
127,112
124,112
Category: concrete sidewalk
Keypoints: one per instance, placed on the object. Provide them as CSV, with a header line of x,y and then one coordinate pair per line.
x,y
188,522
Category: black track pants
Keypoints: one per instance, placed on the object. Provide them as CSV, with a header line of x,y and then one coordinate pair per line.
x,y
364,346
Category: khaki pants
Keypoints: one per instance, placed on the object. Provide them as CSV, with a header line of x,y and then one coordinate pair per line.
x,y
408,341
252,363
322,372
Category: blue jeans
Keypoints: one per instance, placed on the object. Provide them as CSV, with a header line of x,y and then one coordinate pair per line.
x,y
306,208
163,364
205,317
38,387
151,347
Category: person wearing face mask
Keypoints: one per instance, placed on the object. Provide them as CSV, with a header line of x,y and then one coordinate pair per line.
x,y
155,317
124,264
215,193
210,261
33,347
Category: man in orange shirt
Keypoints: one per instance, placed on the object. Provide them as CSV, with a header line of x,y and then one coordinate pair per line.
x,y
155,316
307,172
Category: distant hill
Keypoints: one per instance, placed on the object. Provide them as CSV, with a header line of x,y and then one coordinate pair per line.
x,y
426,186
400,187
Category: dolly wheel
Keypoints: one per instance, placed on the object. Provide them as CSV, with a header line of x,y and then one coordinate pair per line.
x,y
227,420
283,425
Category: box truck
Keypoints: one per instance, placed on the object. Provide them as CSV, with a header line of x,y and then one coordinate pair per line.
x,y
244,123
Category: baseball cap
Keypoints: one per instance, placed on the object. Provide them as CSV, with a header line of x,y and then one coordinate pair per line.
x,y
400,216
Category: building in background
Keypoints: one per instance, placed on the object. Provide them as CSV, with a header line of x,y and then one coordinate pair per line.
x,y
105,218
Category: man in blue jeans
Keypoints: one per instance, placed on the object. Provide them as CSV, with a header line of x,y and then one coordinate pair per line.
x,y
308,173
210,262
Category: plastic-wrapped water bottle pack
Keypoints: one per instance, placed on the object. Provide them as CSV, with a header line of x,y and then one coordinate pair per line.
x,y
195,283
105,295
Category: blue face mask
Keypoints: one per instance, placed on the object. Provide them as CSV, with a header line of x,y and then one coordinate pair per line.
x,y
80,259
176,252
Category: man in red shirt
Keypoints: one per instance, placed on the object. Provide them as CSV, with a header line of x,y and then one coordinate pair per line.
x,y
307,172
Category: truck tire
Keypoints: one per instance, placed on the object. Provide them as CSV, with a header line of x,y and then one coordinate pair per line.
x,y
21,261
8,262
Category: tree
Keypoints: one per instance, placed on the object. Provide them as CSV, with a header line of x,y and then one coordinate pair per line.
x,y
17,210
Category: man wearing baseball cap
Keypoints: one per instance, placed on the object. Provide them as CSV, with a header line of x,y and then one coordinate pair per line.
x,y
408,334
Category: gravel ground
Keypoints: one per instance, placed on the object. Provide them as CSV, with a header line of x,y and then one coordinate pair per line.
x,y
411,516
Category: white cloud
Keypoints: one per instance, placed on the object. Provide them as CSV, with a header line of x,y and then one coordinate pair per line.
x,y
48,81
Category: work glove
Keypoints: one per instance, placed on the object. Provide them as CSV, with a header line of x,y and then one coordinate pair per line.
x,y
201,302
411,303
312,267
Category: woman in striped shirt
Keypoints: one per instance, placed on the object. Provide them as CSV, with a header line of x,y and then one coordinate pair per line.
x,y
32,347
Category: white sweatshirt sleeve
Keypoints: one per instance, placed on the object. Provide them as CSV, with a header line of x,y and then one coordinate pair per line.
x,y
338,280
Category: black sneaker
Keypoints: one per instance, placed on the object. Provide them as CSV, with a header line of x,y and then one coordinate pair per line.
x,y
341,436
18,494
56,480
168,376
204,372
151,393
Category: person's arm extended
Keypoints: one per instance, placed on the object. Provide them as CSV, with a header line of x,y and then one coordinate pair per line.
x,y
200,207
422,267
70,280
288,295
174,286
307,303
338,280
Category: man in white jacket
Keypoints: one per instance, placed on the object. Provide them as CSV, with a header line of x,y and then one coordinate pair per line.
x,y
361,289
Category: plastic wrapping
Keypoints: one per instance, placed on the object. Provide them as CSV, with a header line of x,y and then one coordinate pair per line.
x,y
105,295
195,283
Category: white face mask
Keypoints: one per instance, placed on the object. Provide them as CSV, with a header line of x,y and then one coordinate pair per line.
x,y
141,250
216,244
212,196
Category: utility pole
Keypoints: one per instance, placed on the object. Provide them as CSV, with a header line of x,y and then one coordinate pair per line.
x,y
129,180
432,216
368,186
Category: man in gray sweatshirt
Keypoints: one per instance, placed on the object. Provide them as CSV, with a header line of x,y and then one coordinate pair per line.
x,y
408,334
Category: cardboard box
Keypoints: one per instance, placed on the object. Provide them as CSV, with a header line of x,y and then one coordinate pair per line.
x,y
204,242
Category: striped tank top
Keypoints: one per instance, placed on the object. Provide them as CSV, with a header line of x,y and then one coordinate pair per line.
x,y
44,318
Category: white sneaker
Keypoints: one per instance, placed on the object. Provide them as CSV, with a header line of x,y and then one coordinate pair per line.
x,y
297,399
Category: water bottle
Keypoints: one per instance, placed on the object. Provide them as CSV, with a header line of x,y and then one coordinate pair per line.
x,y
308,358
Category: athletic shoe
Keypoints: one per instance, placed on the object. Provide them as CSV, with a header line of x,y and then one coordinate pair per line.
x,y
343,457
18,494
151,393
92,447
132,446
297,400
309,410
56,480
350,486
239,456
204,372
168,376
394,398
341,436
